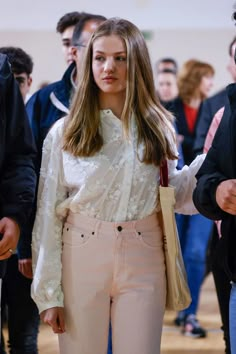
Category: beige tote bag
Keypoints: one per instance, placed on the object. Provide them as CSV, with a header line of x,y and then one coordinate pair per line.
x,y
178,294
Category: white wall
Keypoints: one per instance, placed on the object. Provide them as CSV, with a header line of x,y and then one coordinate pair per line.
x,y
182,29
147,14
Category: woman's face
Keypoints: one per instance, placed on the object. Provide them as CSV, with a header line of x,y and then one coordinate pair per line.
x,y
206,85
109,64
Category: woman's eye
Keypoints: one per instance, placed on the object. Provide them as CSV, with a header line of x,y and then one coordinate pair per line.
x,y
99,58
119,58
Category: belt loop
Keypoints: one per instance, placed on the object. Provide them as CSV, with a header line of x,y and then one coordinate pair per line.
x,y
97,227
134,224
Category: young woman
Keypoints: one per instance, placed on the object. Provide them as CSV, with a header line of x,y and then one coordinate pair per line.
x,y
97,242
194,82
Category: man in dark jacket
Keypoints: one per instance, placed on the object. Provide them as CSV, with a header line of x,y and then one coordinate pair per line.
x,y
215,196
17,173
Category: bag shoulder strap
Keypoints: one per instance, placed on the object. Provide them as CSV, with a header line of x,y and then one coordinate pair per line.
x,y
164,174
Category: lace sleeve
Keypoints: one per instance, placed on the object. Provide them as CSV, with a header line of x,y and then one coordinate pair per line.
x,y
47,231
184,181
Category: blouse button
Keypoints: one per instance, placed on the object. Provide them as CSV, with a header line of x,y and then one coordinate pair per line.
x,y
119,228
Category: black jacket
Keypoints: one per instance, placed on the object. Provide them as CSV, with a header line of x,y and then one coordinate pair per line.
x,y
209,108
17,151
220,165
177,108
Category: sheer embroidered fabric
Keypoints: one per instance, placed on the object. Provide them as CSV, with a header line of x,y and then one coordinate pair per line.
x,y
113,185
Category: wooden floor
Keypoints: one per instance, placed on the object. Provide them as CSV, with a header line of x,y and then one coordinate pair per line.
x,y
173,342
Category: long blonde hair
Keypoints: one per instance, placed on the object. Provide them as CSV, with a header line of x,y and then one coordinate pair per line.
x,y
82,137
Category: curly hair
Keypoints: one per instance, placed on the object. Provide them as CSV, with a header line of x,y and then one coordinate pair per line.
x,y
190,77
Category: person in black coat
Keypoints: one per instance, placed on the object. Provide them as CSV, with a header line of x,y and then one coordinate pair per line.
x,y
209,108
215,193
19,313
17,172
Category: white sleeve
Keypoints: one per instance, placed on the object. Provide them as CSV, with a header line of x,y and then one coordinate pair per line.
x,y
184,181
47,232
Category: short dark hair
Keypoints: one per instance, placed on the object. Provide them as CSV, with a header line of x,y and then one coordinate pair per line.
x,y
20,61
167,71
69,19
85,17
168,60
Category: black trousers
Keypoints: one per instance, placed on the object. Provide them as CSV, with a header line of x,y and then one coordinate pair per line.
x,y
22,313
222,284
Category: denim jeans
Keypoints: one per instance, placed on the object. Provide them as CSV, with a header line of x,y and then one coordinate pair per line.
x,y
232,318
194,233
23,317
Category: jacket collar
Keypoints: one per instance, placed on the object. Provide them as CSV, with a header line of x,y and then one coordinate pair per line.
x,y
63,91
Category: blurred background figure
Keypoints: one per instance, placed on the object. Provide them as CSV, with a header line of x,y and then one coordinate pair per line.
x,y
166,85
166,63
65,26
195,81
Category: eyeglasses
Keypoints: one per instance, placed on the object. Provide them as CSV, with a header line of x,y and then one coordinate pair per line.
x,y
79,45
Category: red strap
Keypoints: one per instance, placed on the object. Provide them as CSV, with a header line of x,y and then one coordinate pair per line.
x,y
164,174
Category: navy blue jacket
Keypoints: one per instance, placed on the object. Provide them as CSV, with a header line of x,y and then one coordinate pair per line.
x,y
44,108
48,105
17,151
220,165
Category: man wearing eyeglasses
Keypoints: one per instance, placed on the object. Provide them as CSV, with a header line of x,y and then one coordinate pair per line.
x,y
65,26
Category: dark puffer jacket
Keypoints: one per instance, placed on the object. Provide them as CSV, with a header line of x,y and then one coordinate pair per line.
x,y
17,152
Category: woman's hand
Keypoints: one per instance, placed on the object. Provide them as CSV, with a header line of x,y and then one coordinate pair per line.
x,y
54,317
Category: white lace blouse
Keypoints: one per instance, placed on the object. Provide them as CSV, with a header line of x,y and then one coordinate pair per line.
x,y
113,185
